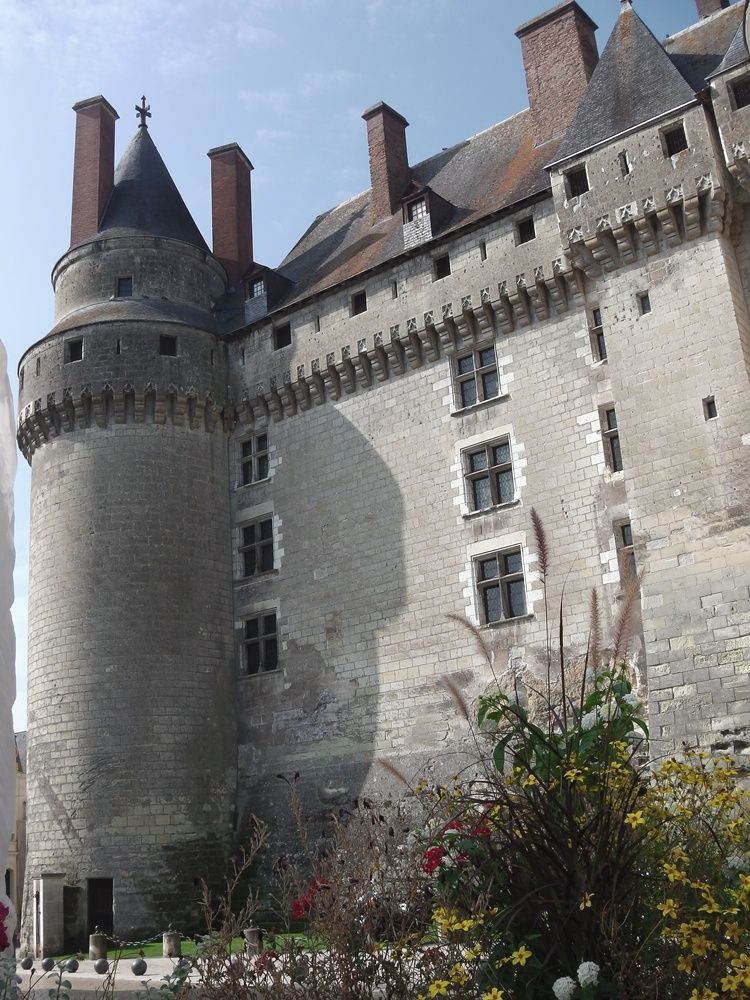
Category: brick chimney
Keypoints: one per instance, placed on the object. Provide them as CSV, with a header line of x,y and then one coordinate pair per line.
x,y
93,166
559,56
708,7
231,209
389,162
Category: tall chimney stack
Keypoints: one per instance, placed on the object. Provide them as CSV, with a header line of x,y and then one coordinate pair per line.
x,y
93,166
559,56
231,209
389,162
708,7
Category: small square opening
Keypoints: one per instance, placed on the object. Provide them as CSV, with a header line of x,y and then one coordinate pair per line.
x,y
577,181
124,287
282,336
442,267
644,303
74,350
675,140
359,303
168,345
526,231
741,93
625,165
709,408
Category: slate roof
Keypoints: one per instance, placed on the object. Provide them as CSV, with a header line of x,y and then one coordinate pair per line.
x,y
21,749
485,174
634,81
145,199
736,53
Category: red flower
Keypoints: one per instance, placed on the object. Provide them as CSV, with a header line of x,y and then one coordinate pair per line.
x,y
432,859
455,824
481,830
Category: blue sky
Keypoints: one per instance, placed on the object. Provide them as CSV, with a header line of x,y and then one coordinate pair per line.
x,y
287,79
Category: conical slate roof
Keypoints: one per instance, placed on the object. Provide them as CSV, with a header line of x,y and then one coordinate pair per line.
x,y
145,199
634,81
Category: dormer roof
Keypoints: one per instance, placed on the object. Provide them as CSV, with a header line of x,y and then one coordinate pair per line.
x,y
736,53
634,82
145,200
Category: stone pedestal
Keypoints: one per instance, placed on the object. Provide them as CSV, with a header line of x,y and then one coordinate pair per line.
x,y
97,946
171,944
253,940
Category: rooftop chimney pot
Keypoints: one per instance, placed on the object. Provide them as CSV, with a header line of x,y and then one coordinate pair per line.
x,y
559,56
231,209
389,161
93,166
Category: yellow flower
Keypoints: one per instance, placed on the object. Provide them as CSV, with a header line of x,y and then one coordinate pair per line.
x,y
439,988
635,819
574,775
521,955
585,903
494,994
473,953
668,908
458,975
530,780
705,994
685,963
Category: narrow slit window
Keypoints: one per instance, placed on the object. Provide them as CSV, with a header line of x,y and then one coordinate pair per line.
x,y
625,165
483,250
394,289
598,343
611,435
644,303
118,346
38,366
625,552
316,324
709,408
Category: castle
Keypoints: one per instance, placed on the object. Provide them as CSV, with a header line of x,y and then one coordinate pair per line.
x,y
259,494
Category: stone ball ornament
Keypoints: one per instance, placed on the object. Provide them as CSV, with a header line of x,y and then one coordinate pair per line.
x,y
48,964
101,966
27,963
71,965
138,967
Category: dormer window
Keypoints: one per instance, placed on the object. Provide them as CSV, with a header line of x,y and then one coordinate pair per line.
x,y
577,181
124,287
416,210
674,140
256,288
741,93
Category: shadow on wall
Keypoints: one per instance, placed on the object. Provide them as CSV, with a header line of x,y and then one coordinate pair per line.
x,y
340,589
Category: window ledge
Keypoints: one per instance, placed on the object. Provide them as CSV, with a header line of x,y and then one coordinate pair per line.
x,y
240,581
277,672
488,510
599,362
256,482
614,477
465,410
509,621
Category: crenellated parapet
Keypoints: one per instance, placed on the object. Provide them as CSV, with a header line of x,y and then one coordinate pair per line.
x,y
474,319
108,405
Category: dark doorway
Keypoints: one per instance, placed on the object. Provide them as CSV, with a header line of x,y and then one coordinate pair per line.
x,y
100,905
7,882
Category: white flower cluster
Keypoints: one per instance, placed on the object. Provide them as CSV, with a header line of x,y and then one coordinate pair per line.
x,y
588,973
590,720
631,699
565,987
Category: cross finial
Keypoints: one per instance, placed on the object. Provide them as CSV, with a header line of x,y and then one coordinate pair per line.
x,y
143,111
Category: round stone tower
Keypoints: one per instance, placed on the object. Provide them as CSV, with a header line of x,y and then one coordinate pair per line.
x,y
131,734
